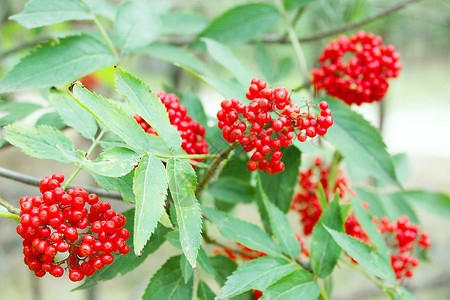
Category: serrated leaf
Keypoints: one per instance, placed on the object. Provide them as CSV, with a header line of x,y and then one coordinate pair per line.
x,y
294,4
124,185
46,12
297,285
204,292
242,23
194,106
146,103
357,139
279,224
51,119
256,274
14,111
232,190
222,55
182,184
150,188
242,232
137,24
113,117
113,162
179,23
74,115
58,62
168,283
437,203
186,269
103,8
42,142
363,254
264,61
325,251
126,263
280,187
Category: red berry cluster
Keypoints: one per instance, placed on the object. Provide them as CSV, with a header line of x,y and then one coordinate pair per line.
x,y
306,202
268,123
59,222
354,229
191,132
403,237
362,77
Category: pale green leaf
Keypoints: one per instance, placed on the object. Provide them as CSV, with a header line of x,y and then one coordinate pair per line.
x,y
294,4
46,12
195,108
204,292
124,185
113,162
74,115
232,190
437,203
146,103
256,274
51,119
297,285
186,269
150,188
58,62
242,232
264,61
11,112
182,184
168,284
113,117
179,23
103,8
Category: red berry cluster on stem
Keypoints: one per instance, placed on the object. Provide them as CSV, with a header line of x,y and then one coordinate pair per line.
x,y
268,123
191,132
59,223
363,76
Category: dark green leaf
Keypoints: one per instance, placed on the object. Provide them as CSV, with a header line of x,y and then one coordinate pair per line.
x,y
195,108
325,251
113,117
168,283
357,139
182,23
150,188
294,4
257,274
51,119
364,255
232,190
437,203
280,227
222,55
15,111
42,142
146,103
74,115
186,269
58,62
46,12
280,187
297,285
124,185
204,292
264,61
126,263
223,267
182,183
113,162
242,23
242,232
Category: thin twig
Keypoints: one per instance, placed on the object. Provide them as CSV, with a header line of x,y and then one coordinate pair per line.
x,y
11,208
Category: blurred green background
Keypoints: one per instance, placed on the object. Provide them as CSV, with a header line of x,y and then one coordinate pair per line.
x,y
416,123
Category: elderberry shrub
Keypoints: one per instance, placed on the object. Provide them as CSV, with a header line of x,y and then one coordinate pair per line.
x,y
356,68
268,123
59,222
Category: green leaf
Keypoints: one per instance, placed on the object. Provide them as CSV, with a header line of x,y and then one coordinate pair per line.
x,y
204,292
113,117
47,12
137,24
58,62
403,167
126,263
294,4
186,269
221,54
280,187
242,232
179,23
168,283
182,183
150,188
113,162
284,68
51,119
264,61
232,190
177,56
146,103
297,285
223,267
103,8
42,142
242,23
124,185
195,108
280,227
256,274
357,139
324,250
396,205
14,111
364,255
437,203
74,115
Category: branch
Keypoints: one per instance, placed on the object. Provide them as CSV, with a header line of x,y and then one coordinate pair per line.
x,y
19,177
12,209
